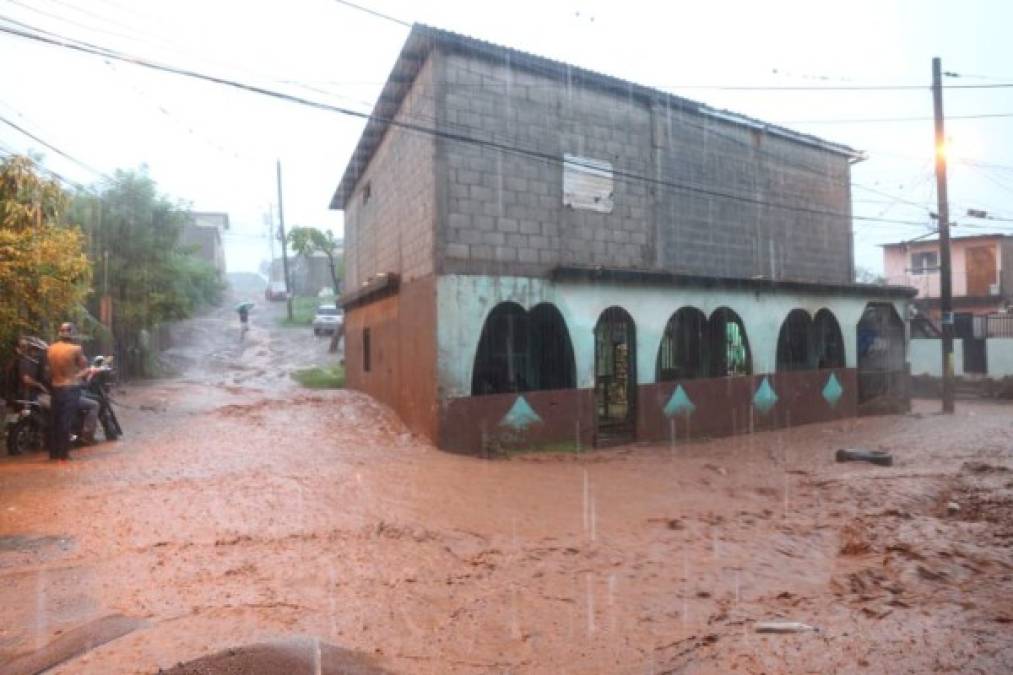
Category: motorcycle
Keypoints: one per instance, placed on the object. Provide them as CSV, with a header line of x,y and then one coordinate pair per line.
x,y
31,425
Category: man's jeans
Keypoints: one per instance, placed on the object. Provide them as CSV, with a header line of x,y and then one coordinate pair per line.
x,y
65,401
89,407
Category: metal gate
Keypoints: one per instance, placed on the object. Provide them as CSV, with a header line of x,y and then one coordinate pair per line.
x,y
615,371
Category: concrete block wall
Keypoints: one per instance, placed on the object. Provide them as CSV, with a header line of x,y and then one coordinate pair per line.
x,y
501,212
393,231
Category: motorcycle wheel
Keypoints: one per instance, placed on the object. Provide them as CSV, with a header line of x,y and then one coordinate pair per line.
x,y
25,436
110,427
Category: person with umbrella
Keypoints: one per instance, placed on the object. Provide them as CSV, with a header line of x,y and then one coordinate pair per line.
x,y
244,314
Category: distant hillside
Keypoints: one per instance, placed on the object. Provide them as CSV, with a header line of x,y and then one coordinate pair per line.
x,y
249,283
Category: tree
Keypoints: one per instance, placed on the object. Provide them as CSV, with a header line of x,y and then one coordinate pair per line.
x,y
44,273
305,241
864,275
150,276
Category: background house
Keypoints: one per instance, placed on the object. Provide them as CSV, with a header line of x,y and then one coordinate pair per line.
x,y
537,253
308,275
203,233
982,272
982,287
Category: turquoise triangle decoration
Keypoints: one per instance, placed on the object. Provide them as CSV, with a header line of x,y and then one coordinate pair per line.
x,y
832,390
765,397
520,416
679,403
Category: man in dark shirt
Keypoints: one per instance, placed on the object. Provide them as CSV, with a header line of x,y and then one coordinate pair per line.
x,y
29,371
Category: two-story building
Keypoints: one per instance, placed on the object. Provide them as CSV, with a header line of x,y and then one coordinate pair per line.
x,y
981,274
539,254
203,233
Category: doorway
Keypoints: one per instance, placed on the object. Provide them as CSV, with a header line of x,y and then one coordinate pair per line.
x,y
615,377
971,329
882,359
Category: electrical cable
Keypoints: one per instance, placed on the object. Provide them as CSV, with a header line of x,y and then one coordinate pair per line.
x,y
375,13
54,148
555,160
59,177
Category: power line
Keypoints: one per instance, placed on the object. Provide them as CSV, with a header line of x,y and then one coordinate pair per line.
x,y
894,198
991,78
54,148
877,120
71,22
59,177
494,145
843,88
375,13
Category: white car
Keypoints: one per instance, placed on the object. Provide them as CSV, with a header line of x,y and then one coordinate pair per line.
x,y
327,320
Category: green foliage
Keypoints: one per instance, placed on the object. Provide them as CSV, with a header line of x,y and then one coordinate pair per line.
x,y
196,282
306,241
303,311
44,273
332,377
864,275
152,278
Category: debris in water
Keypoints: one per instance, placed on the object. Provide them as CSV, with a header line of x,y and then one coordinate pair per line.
x,y
785,627
856,455
952,507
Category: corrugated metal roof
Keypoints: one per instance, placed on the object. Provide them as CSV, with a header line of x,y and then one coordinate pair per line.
x,y
420,43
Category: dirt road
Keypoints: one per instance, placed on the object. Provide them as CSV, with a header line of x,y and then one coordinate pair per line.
x,y
241,508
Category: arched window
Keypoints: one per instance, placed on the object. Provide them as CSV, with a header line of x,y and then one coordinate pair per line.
x,y
827,340
881,349
685,348
729,345
501,361
552,363
794,348
521,351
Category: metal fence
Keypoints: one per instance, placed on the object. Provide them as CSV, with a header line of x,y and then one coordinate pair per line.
x,y
999,326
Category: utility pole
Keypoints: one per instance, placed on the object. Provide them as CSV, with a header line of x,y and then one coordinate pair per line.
x,y
945,287
284,246
271,236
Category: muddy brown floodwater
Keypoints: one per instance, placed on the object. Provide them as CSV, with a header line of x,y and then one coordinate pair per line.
x,y
243,510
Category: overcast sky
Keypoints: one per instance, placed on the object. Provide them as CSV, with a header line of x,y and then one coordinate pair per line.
x,y
216,147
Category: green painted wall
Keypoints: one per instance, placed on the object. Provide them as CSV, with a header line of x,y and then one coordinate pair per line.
x,y
464,302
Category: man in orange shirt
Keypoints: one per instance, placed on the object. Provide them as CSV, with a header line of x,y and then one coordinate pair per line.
x,y
67,366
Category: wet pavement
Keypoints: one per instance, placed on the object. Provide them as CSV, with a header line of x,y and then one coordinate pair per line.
x,y
243,510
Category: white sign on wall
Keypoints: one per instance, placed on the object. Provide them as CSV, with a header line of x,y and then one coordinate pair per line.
x,y
587,184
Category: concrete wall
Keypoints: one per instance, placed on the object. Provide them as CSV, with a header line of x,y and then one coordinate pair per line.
x,y
402,340
392,230
721,407
206,241
999,357
464,302
501,212
925,356
308,275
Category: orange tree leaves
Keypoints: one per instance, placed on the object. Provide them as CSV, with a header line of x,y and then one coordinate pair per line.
x,y
44,272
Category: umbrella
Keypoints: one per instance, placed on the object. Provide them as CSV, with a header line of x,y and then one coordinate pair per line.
x,y
246,304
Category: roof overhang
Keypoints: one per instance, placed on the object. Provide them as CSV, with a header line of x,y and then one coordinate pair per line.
x,y
581,273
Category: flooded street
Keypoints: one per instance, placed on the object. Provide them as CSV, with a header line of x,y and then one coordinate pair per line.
x,y
240,509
